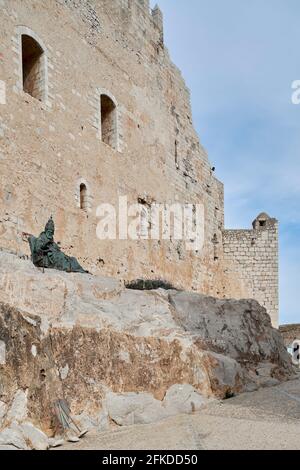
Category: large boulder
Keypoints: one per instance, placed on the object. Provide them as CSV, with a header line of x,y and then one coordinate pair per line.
x,y
239,329
119,355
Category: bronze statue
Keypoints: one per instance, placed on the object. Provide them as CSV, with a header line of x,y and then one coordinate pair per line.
x,y
45,253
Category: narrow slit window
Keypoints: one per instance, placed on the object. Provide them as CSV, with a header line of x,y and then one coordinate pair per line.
x,y
176,155
33,67
83,197
108,121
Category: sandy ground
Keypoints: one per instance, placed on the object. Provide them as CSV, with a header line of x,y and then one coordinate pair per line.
x,y
267,419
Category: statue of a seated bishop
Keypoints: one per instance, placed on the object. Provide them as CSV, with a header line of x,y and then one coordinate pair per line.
x,y
45,253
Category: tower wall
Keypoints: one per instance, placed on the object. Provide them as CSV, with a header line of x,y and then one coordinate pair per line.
x,y
252,257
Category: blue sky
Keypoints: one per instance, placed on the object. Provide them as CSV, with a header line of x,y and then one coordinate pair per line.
x,y
239,59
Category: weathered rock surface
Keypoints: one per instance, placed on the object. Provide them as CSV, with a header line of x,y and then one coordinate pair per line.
x,y
18,409
53,442
23,436
13,436
131,408
124,356
36,438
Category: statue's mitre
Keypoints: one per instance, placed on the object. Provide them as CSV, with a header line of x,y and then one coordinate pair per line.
x,y
50,225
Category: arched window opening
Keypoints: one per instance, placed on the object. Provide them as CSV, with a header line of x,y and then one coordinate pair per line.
x,y
83,197
33,66
108,121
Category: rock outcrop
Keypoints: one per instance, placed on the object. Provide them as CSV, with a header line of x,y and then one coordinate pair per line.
x,y
122,356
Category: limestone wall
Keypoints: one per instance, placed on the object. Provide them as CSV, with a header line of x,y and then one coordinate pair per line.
x,y
50,146
290,333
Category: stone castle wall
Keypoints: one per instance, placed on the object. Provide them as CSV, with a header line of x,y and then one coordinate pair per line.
x,y
252,257
52,146
290,333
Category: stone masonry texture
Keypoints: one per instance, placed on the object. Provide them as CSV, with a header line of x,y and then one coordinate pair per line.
x,y
51,146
